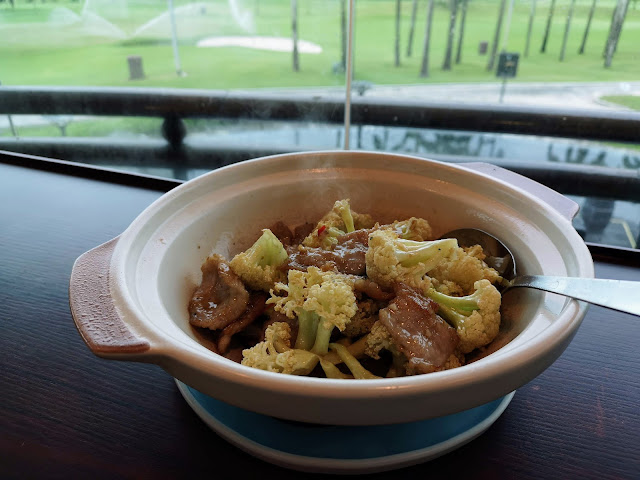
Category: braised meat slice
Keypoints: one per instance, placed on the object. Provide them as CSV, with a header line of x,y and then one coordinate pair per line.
x,y
348,255
301,232
221,297
417,331
255,307
282,232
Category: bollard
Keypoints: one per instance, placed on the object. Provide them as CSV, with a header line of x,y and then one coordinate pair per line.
x,y
135,67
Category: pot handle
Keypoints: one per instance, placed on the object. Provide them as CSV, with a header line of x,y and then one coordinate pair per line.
x,y
567,208
96,317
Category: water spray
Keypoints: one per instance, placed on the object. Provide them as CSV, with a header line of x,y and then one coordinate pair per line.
x,y
174,40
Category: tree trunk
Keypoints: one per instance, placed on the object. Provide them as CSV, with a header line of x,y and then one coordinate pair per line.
x,y
463,21
611,23
396,50
496,36
548,27
586,29
532,14
448,54
294,34
566,30
616,28
412,27
624,16
343,35
424,68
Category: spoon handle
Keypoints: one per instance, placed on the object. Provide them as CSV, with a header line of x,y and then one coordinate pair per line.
x,y
615,294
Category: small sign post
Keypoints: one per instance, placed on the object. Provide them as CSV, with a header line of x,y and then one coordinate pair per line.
x,y
507,68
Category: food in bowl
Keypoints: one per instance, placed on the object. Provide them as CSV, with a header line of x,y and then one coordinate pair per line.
x,y
348,297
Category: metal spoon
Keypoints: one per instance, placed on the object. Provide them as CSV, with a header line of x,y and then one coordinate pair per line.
x,y
618,295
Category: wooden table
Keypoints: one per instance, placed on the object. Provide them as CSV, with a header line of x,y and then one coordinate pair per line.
x,y
67,414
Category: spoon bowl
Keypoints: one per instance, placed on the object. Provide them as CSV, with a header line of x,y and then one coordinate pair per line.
x,y
618,295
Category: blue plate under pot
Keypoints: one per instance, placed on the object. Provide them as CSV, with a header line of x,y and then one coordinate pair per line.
x,y
342,449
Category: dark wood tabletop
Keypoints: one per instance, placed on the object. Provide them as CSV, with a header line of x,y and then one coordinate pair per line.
x,y
65,413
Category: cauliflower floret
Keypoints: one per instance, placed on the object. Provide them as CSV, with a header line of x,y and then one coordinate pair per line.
x,y
414,228
321,300
380,339
340,220
456,274
275,354
364,318
455,360
258,265
390,259
476,317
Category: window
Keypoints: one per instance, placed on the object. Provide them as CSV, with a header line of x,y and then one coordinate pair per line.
x,y
547,88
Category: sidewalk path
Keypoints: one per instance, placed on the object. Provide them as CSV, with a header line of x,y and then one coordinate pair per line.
x,y
581,95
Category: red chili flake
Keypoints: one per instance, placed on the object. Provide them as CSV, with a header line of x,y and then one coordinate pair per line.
x,y
322,229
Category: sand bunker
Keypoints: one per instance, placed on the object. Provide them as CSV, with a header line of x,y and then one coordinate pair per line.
x,y
276,44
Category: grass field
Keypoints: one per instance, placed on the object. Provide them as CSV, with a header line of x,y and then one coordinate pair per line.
x,y
625,100
87,43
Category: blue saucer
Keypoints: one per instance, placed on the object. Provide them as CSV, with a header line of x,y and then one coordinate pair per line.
x,y
342,449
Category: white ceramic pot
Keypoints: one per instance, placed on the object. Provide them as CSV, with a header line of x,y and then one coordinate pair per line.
x,y
129,296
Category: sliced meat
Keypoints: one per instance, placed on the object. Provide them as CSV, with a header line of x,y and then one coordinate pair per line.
x,y
348,256
351,250
255,308
371,289
282,232
221,297
417,331
301,232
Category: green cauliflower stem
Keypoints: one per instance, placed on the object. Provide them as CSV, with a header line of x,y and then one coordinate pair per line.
x,y
258,265
337,222
475,317
391,259
343,209
352,362
331,371
320,300
275,354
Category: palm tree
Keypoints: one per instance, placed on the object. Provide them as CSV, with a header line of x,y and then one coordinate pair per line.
x,y
614,31
453,13
463,21
530,28
397,42
586,30
294,34
566,30
624,16
496,36
548,27
412,27
424,68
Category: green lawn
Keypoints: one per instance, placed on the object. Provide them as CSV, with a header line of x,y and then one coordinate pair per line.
x,y
630,101
55,43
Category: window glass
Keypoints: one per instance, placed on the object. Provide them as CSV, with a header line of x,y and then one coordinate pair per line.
x,y
138,84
